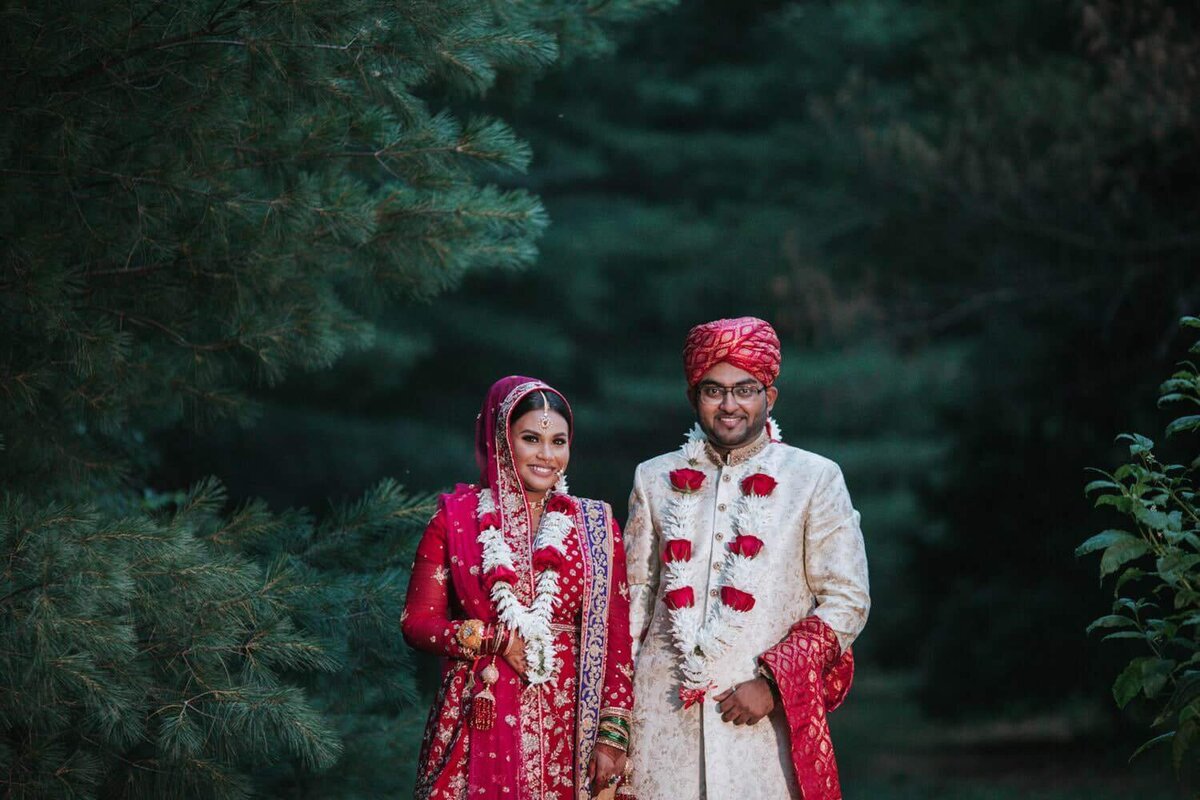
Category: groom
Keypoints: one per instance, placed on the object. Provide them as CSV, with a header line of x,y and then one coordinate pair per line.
x,y
748,583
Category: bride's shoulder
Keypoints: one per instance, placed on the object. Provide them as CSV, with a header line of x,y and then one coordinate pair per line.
x,y
462,493
587,504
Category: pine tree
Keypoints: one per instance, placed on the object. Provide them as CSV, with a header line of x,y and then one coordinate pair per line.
x,y
198,199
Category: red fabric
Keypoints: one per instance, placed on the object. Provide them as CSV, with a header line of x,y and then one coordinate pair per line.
x,y
747,343
813,677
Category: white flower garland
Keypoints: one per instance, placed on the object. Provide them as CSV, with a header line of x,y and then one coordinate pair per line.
x,y
532,622
700,641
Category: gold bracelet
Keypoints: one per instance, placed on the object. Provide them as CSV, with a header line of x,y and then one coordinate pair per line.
x,y
470,636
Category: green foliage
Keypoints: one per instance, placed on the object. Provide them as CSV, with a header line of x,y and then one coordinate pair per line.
x,y
1155,565
198,200
170,651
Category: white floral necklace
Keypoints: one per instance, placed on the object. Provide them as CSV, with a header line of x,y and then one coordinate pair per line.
x,y
549,552
702,638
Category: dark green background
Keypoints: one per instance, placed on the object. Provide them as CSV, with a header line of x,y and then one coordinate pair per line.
x,y
974,226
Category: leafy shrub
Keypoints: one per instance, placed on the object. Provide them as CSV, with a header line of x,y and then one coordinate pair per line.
x,y
1155,561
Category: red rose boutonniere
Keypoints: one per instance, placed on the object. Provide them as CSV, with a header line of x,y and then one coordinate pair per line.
x,y
687,480
677,550
746,545
759,484
679,598
737,599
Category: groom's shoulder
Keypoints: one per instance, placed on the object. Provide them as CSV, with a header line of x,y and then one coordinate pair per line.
x,y
800,459
667,461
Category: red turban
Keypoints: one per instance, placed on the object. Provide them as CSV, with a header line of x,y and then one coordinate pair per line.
x,y
747,343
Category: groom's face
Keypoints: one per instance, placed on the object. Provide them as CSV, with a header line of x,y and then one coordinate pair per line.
x,y
730,422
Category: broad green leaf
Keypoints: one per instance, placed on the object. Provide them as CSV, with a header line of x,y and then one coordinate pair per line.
x,y
1122,552
1155,520
1119,502
1102,484
1124,635
1111,621
1102,540
1190,423
1155,672
1129,682
1174,567
1126,470
1138,444
1190,322
1176,397
1132,605
1186,598
1181,382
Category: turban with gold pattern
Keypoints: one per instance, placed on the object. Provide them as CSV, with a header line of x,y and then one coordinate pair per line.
x,y
747,343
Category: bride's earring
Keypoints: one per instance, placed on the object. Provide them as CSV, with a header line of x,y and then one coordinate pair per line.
x,y
560,486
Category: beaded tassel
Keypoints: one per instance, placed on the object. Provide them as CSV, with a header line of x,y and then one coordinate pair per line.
x,y
483,706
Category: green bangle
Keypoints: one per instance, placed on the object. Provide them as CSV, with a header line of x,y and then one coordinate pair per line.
x,y
620,744
615,721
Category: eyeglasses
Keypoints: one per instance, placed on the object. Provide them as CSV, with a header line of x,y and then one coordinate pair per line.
x,y
713,393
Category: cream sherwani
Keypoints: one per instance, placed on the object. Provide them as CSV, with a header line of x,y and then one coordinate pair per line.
x,y
813,562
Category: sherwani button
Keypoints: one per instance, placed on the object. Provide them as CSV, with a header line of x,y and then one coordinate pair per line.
x,y
726,478
721,507
712,593
716,565
720,536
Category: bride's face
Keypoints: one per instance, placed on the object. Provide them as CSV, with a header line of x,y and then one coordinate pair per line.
x,y
541,448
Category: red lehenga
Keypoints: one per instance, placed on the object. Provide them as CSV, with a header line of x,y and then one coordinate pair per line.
x,y
543,735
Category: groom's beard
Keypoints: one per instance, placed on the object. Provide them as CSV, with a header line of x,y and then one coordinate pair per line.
x,y
753,422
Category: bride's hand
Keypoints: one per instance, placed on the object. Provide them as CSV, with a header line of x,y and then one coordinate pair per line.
x,y
607,763
515,655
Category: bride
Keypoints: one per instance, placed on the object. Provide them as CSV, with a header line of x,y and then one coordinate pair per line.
x,y
521,588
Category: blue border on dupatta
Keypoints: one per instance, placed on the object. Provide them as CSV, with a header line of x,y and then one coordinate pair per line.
x,y
596,529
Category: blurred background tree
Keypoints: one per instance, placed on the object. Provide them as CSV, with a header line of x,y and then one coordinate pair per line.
x,y
973,223
199,199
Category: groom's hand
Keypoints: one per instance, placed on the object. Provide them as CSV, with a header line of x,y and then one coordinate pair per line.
x,y
746,703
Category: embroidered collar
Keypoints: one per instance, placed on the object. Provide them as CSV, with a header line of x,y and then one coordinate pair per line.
x,y
739,456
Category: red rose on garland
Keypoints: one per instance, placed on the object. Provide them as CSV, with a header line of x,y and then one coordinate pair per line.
x,y
746,545
679,598
759,484
489,520
499,575
562,504
677,550
547,558
687,480
737,599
